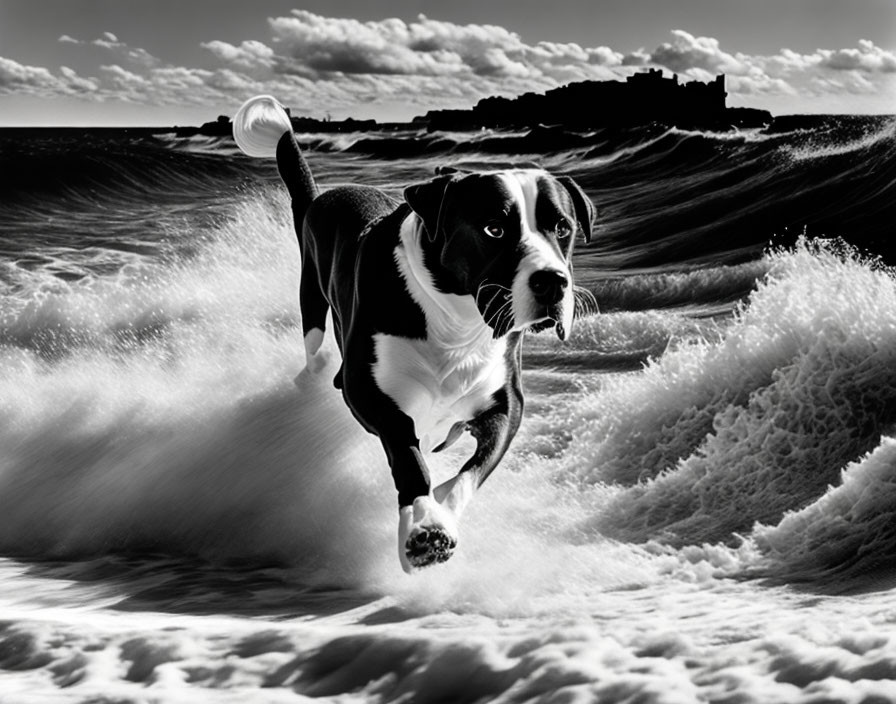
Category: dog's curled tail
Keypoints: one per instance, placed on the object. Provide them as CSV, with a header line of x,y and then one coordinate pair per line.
x,y
262,128
259,124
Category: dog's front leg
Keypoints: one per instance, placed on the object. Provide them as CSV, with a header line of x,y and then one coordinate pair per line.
x,y
427,533
493,431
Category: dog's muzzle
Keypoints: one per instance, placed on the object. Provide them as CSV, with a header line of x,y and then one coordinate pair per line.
x,y
549,288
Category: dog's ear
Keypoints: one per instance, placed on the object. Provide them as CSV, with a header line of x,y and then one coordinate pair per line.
x,y
426,199
582,203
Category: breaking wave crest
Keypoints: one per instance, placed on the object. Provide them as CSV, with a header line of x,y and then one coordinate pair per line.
x,y
154,409
716,438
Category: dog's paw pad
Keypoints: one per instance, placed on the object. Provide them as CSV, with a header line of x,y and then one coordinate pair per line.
x,y
429,546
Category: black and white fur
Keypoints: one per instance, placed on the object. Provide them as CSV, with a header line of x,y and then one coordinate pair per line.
x,y
429,298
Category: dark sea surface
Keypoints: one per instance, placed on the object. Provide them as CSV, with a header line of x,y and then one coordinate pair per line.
x,y
700,505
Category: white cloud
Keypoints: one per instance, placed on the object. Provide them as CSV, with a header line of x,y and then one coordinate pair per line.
x,y
639,57
37,81
250,54
76,83
230,82
866,57
142,57
757,84
16,77
109,41
125,85
852,82
787,60
686,52
321,64
319,46
604,56
323,48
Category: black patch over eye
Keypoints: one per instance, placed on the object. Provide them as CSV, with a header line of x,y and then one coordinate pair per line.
x,y
563,229
494,230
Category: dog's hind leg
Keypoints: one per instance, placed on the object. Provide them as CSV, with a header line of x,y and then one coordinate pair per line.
x,y
314,308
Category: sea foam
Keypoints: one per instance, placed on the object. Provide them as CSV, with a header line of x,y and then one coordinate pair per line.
x,y
714,437
849,532
154,408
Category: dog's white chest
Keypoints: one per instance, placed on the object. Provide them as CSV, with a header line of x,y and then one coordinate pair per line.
x,y
453,374
438,386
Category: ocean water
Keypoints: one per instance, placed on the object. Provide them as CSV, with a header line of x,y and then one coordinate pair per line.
x,y
700,505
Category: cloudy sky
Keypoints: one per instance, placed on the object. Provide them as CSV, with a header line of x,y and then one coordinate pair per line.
x,y
163,62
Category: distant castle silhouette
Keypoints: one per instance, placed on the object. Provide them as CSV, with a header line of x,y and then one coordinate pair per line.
x,y
642,98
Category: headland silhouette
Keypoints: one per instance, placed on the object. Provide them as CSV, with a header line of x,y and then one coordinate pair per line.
x,y
643,98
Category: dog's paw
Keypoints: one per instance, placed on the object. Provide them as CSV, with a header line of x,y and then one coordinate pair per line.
x,y
315,363
429,546
311,373
427,534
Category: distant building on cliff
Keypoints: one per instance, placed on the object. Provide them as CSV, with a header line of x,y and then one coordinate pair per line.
x,y
642,98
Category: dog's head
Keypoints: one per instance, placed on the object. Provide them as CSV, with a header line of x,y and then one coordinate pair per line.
x,y
506,238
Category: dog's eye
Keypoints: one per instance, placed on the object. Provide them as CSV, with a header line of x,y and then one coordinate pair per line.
x,y
563,229
494,230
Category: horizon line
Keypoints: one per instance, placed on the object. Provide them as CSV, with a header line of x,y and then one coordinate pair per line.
x,y
170,126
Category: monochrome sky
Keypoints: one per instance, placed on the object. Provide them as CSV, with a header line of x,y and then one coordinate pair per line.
x,y
163,62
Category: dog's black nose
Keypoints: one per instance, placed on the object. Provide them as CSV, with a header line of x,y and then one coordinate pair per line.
x,y
548,285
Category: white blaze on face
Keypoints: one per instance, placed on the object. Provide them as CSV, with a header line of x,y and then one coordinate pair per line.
x,y
537,255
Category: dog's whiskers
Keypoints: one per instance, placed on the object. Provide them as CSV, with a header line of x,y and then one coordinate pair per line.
x,y
496,319
506,322
500,309
484,285
501,317
585,302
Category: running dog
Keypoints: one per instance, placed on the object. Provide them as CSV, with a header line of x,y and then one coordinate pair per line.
x,y
429,297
